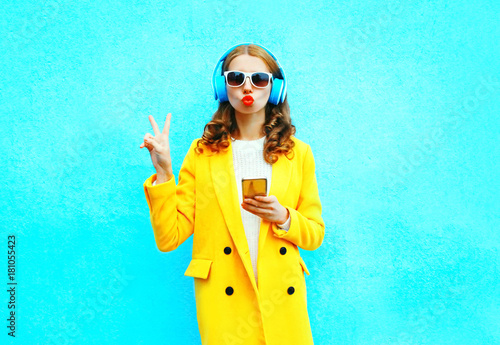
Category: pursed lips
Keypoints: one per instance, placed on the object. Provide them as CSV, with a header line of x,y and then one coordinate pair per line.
x,y
247,100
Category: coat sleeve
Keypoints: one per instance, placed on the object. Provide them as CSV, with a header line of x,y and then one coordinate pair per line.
x,y
171,206
307,228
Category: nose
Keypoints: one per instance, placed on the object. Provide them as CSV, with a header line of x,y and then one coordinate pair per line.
x,y
247,85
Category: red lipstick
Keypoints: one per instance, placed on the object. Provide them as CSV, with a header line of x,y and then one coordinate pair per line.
x,y
247,100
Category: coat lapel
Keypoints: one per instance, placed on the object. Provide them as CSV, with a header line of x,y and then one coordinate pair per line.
x,y
222,171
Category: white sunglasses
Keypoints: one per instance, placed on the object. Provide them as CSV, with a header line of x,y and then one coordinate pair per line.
x,y
258,79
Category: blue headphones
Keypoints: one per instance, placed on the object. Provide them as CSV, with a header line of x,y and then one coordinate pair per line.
x,y
278,90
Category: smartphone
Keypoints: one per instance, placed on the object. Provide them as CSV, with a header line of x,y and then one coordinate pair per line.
x,y
254,186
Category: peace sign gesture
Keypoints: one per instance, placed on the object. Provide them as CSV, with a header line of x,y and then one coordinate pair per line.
x,y
159,149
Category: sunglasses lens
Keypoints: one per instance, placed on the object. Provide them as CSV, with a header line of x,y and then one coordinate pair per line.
x,y
235,78
260,79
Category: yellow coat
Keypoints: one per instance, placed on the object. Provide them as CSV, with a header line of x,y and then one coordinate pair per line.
x,y
231,308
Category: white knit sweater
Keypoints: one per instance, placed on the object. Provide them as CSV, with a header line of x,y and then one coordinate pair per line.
x,y
249,162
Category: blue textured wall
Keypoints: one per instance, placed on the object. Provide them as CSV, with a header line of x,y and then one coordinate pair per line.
x,y
399,101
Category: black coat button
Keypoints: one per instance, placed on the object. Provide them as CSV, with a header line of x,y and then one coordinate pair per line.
x,y
227,250
291,290
229,291
283,250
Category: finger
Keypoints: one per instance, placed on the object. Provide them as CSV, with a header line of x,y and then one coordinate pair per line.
x,y
264,199
151,142
147,136
154,125
256,211
249,208
257,204
166,127
249,201
144,140
147,145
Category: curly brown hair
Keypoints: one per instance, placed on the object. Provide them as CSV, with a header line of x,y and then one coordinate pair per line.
x,y
278,126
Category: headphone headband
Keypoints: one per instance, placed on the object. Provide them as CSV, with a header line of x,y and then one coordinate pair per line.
x,y
277,95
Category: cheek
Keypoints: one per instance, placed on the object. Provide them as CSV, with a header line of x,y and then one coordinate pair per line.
x,y
233,96
264,95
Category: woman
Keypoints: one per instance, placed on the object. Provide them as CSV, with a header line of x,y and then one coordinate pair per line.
x,y
248,274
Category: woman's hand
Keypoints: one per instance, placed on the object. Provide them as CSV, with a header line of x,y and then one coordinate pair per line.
x,y
266,207
159,149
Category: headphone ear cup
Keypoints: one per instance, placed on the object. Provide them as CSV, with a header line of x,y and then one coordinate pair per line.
x,y
275,96
220,88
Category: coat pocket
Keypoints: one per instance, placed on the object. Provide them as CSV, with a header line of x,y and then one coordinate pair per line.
x,y
199,268
303,264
